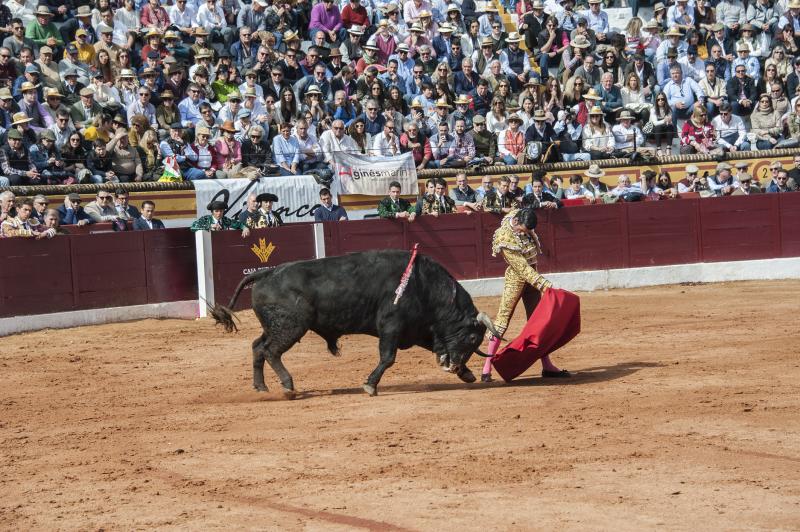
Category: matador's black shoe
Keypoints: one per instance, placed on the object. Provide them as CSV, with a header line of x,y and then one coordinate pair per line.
x,y
562,374
486,377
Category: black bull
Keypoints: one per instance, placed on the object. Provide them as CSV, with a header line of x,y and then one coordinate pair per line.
x,y
355,294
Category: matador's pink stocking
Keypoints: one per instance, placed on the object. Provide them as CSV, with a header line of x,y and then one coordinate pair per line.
x,y
494,344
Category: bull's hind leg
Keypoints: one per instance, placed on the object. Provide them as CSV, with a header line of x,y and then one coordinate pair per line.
x,y
388,350
258,363
284,332
281,335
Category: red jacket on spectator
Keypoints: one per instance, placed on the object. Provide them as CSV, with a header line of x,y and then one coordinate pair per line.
x,y
222,154
352,16
703,135
157,18
162,51
421,151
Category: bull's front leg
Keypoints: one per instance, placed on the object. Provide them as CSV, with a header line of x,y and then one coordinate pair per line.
x,y
388,351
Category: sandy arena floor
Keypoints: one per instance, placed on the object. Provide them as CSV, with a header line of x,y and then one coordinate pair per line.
x,y
683,414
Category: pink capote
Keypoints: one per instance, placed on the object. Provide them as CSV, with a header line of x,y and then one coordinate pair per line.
x,y
555,321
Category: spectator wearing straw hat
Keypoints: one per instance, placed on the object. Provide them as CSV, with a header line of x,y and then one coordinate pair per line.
x,y
43,31
511,141
541,131
745,57
22,123
597,20
594,186
441,114
598,140
627,136
30,106
81,21
515,62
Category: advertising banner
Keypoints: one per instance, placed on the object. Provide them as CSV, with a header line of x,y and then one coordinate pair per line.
x,y
298,195
370,176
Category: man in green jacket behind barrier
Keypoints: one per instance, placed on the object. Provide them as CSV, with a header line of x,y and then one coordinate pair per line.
x,y
393,206
217,221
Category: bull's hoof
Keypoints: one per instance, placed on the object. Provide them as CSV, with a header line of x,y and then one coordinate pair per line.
x,y
261,388
467,376
289,394
371,390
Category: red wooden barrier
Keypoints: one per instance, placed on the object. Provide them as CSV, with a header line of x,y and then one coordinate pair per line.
x,y
35,276
587,238
235,257
739,227
97,270
451,240
790,224
662,232
171,265
108,270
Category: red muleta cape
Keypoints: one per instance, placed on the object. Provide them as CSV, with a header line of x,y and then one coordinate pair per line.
x,y
555,321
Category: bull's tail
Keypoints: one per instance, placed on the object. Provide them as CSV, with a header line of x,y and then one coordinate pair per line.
x,y
224,315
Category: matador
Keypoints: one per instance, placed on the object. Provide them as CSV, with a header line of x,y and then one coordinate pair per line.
x,y
517,241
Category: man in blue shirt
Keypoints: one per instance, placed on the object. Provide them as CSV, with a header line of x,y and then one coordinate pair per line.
x,y
286,150
682,93
327,211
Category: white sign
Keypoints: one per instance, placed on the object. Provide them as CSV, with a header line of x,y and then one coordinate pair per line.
x,y
362,174
298,195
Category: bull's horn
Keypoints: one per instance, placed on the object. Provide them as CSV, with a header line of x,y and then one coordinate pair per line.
x,y
482,354
483,318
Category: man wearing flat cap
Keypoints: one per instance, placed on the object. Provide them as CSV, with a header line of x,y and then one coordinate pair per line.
x,y
84,111
71,212
217,221
15,161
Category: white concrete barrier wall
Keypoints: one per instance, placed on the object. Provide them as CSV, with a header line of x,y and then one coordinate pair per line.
x,y
98,316
701,272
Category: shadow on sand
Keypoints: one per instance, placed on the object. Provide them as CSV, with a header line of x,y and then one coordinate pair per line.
x,y
594,374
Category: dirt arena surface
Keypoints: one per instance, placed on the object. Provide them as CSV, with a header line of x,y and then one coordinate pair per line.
x,y
683,414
